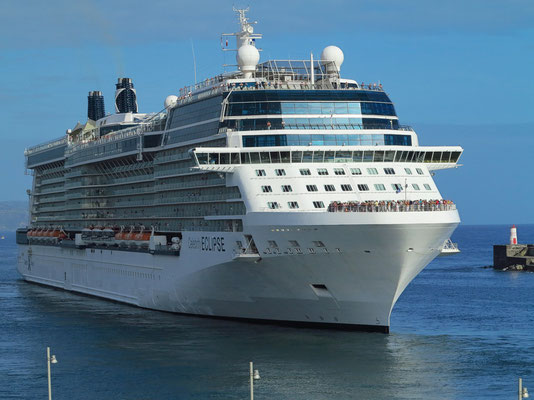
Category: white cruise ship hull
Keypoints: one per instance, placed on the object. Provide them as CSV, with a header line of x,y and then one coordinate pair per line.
x,y
352,282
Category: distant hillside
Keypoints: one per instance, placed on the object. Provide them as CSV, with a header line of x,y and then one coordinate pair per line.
x,y
13,215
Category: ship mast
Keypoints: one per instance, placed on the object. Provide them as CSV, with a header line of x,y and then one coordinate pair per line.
x,y
245,35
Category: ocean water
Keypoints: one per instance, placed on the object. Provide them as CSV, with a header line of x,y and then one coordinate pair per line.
x,y
459,331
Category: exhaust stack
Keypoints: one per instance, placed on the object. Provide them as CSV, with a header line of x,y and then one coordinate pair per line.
x,y
125,96
95,105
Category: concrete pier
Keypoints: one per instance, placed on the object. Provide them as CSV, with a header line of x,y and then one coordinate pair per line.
x,y
513,257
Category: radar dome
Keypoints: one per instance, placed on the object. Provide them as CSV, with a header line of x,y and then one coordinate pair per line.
x,y
247,58
170,101
333,53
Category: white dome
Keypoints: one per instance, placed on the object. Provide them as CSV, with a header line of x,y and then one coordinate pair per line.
x,y
333,53
170,101
247,58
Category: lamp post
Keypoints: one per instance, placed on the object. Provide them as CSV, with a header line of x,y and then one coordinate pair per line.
x,y
522,393
50,359
254,375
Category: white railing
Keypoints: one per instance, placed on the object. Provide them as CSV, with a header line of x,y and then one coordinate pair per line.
x,y
47,145
392,206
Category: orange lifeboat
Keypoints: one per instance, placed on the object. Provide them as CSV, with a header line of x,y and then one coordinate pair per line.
x,y
130,235
145,236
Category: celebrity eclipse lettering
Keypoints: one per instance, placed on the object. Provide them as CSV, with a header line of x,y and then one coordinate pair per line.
x,y
212,243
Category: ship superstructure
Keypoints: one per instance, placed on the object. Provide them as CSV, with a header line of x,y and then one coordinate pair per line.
x,y
280,191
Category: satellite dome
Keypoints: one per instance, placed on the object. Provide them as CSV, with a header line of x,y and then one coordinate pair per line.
x,y
333,53
170,101
247,58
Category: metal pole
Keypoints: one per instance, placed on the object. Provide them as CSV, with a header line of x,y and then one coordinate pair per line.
x,y
49,381
520,389
251,382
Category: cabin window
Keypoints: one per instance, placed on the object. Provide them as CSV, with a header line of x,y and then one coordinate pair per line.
x,y
287,188
329,188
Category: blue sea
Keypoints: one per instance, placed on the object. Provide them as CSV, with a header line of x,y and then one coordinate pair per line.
x,y
459,331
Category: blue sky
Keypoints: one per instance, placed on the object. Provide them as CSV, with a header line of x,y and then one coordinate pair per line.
x,y
459,72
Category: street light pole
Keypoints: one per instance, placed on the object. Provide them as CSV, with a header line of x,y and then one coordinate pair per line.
x,y
251,381
254,375
522,392
49,359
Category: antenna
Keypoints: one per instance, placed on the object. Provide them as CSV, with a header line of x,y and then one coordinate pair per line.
x,y
194,60
246,33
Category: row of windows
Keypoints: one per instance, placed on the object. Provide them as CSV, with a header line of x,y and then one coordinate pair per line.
x,y
195,112
339,171
308,95
345,187
320,156
273,108
326,140
311,123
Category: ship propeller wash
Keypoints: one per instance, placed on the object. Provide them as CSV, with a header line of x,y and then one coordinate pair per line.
x,y
280,192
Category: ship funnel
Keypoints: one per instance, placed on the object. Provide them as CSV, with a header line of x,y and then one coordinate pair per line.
x,y
125,96
95,105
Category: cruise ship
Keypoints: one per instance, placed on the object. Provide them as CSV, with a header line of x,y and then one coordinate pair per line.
x,y
279,192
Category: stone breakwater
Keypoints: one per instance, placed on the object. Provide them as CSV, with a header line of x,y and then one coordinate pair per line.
x,y
513,257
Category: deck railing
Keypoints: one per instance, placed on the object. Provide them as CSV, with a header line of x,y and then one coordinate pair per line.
x,y
392,206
